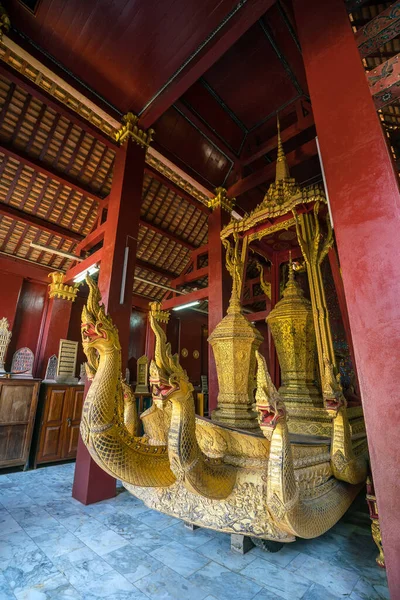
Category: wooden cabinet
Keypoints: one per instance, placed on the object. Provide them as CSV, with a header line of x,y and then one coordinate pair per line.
x,y
59,416
18,403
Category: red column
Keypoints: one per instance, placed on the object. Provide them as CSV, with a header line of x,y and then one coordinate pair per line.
x,y
365,202
55,329
91,484
219,288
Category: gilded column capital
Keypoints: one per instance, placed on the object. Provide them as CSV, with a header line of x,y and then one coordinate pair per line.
x,y
4,21
160,315
130,129
59,289
221,200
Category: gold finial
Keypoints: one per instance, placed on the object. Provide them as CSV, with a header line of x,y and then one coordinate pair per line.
x,y
221,199
59,289
130,129
160,315
282,169
291,271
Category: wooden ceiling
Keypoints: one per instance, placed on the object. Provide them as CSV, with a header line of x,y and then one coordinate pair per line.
x,y
209,76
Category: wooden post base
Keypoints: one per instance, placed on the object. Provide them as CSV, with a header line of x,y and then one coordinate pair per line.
x,y
91,484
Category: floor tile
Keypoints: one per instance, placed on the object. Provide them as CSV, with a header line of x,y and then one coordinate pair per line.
x,y
5,590
224,584
112,586
363,590
132,562
33,568
166,584
335,579
190,538
291,586
179,558
57,542
283,558
8,524
103,541
81,566
219,550
53,588
319,592
156,520
145,538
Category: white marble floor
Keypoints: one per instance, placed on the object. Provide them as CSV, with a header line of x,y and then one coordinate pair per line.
x,y
53,547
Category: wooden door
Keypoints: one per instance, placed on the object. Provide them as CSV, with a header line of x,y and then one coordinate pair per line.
x,y
72,421
18,401
52,426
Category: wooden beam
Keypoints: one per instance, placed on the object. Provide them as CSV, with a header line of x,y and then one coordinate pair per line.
x,y
258,316
154,269
53,228
352,5
176,189
272,143
195,120
179,300
92,239
297,156
24,268
83,265
188,277
384,82
166,234
62,109
208,54
40,167
380,30
140,302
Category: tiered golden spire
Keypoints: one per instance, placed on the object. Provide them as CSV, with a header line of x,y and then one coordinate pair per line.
x,y
282,168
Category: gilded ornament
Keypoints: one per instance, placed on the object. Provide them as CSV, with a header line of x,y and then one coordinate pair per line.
x,y
59,289
184,352
5,337
196,354
221,200
130,129
5,23
162,316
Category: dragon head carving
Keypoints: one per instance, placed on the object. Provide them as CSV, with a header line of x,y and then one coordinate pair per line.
x,y
332,391
168,379
269,403
99,334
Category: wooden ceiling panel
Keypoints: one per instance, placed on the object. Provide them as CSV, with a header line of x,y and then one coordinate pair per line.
x,y
251,79
184,141
95,39
199,100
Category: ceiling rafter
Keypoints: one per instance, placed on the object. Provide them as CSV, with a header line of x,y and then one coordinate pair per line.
x,y
235,25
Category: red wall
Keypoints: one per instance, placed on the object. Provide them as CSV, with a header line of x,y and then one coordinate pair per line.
x,y
10,285
28,319
189,330
137,340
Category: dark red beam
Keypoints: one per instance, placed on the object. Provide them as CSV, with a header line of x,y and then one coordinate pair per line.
x,y
185,299
167,234
176,189
380,30
83,265
272,143
40,167
154,269
62,109
24,268
27,218
189,277
258,316
384,82
92,239
297,156
233,29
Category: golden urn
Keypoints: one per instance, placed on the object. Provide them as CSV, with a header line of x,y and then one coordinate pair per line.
x,y
292,327
234,342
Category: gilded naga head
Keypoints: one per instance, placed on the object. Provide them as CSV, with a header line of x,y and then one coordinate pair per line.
x,y
169,381
99,334
269,404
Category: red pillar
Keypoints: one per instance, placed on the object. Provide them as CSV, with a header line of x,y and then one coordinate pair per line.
x,y
364,196
91,484
55,329
219,288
